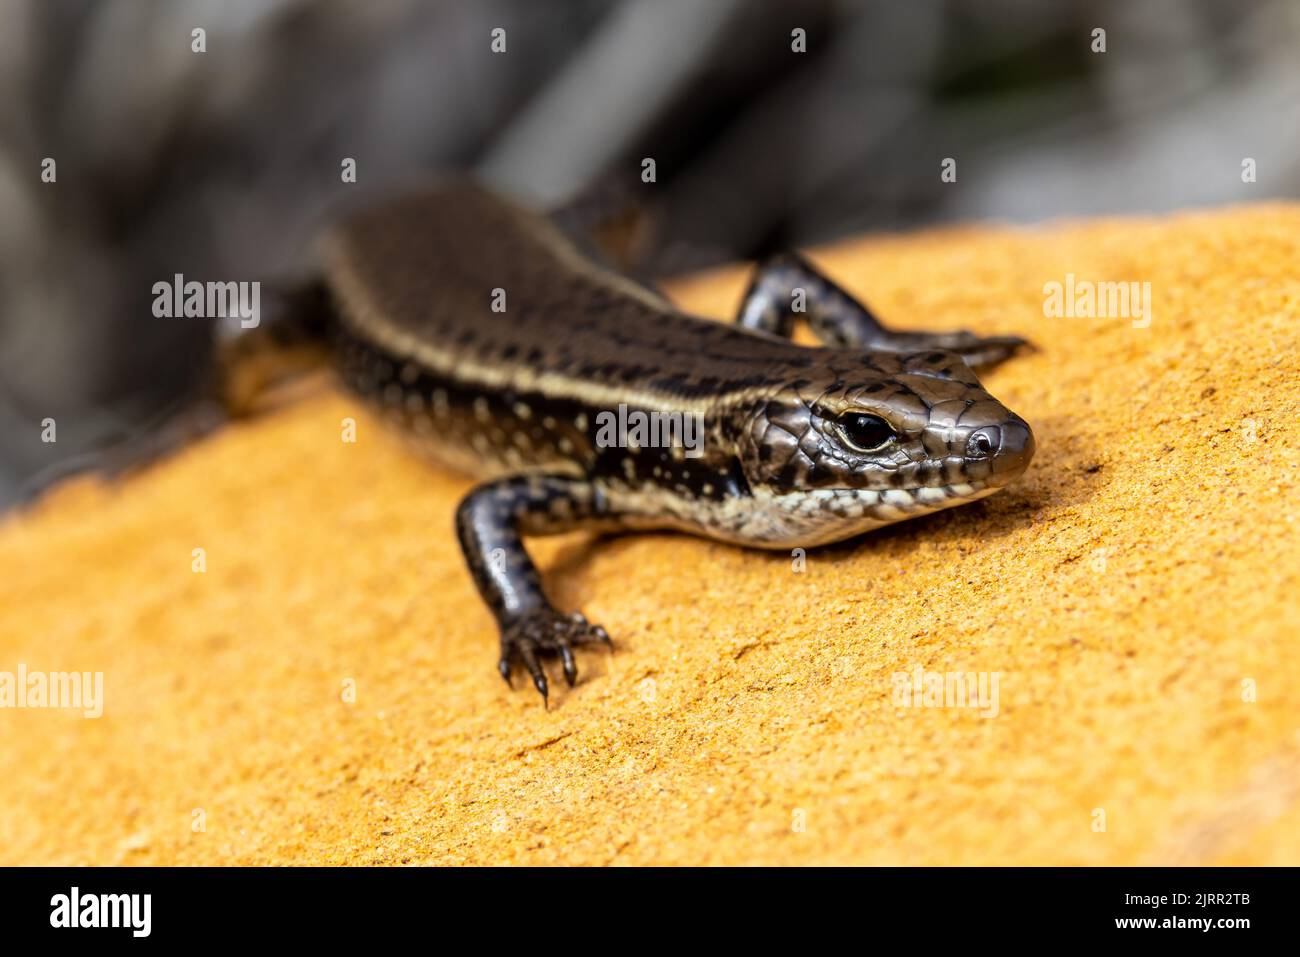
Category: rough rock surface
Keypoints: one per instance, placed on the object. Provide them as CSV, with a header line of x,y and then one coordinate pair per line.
x,y
1135,594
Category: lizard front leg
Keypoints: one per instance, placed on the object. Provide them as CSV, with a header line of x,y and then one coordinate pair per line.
x,y
490,523
773,303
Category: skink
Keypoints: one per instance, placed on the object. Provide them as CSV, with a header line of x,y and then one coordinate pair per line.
x,y
488,339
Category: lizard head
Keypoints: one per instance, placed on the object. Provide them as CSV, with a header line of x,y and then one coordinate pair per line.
x,y
850,445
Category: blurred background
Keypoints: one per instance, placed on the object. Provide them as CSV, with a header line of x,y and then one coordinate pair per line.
x,y
225,164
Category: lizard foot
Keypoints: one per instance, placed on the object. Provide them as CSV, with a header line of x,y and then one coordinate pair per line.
x,y
987,351
980,352
547,632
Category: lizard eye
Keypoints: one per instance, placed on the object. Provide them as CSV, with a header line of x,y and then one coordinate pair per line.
x,y
864,432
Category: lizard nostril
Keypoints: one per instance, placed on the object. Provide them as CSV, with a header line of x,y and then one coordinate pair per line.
x,y
982,442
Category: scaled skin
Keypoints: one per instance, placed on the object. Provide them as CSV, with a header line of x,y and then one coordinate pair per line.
x,y
494,346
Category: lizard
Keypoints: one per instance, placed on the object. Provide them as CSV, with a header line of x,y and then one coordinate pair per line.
x,y
477,329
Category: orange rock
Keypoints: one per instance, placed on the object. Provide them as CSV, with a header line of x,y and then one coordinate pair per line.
x,y
325,693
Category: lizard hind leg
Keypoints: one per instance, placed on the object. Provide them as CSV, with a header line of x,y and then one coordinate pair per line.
x,y
249,363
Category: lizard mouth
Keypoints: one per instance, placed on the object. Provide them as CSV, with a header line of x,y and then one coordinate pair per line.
x,y
894,505
822,516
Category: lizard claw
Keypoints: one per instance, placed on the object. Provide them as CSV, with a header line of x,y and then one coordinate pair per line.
x,y
527,639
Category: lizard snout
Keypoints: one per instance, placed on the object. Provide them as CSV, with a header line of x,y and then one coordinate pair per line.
x,y
1006,447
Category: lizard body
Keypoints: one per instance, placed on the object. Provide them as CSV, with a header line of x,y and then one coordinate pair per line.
x,y
484,336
